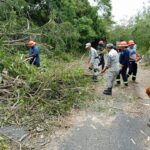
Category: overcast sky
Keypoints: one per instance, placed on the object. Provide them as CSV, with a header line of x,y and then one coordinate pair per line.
x,y
125,9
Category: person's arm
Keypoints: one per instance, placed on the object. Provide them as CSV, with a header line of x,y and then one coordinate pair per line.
x,y
107,65
104,70
103,51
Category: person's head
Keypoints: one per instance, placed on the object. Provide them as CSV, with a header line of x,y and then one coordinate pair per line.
x,y
131,43
31,44
109,46
101,42
123,45
88,46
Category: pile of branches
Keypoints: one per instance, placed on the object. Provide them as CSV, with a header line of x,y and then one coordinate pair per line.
x,y
32,101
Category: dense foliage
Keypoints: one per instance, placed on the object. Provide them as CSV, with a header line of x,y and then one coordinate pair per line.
x,y
60,27
137,28
63,24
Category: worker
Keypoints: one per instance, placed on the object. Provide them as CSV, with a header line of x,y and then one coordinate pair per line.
x,y
113,68
93,61
124,62
132,64
100,50
33,54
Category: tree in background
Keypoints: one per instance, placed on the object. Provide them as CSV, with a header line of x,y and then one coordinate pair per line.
x,y
137,29
68,24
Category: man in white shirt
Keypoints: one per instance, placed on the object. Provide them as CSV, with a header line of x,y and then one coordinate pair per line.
x,y
93,61
112,66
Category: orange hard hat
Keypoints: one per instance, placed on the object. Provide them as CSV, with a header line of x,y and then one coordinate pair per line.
x,y
131,42
123,44
31,43
100,42
148,91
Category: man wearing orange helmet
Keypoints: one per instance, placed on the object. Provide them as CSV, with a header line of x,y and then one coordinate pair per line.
x,y
133,64
124,62
34,54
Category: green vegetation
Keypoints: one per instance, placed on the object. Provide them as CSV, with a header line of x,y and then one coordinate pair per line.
x,y
3,144
137,29
31,95
65,25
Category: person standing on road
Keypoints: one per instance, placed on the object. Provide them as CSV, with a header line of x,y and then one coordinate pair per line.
x,y
124,63
113,68
132,64
33,54
93,61
100,49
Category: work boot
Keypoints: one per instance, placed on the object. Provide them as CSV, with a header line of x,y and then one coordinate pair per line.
x,y
133,78
118,82
126,84
108,91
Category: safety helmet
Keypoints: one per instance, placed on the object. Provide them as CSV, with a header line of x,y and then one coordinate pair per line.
x,y
100,42
130,43
31,43
87,45
123,44
110,45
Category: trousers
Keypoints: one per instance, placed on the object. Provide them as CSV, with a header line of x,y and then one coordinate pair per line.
x,y
123,73
111,76
132,70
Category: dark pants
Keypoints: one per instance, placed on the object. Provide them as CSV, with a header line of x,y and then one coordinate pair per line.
x,y
123,73
34,63
102,61
132,70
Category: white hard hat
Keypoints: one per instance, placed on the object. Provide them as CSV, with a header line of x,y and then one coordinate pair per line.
x,y
87,45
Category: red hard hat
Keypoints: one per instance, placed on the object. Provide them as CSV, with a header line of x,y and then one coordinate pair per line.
x,y
131,42
31,43
101,42
123,44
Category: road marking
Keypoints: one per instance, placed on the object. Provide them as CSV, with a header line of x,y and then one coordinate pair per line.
x,y
133,141
142,132
93,127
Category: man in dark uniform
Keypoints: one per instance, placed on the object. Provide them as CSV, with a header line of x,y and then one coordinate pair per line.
x,y
124,62
100,49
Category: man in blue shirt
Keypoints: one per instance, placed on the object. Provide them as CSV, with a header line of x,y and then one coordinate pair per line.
x,y
34,54
133,64
124,62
